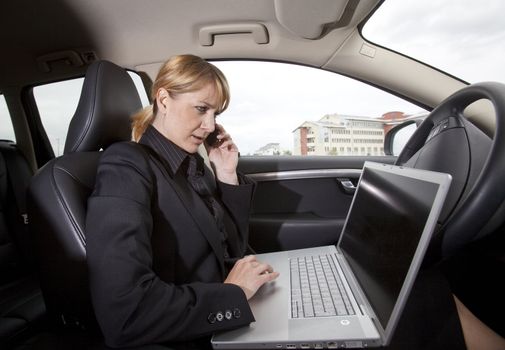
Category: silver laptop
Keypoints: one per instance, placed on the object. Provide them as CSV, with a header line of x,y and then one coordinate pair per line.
x,y
352,294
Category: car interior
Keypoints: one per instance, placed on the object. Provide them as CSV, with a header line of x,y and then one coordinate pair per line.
x,y
44,298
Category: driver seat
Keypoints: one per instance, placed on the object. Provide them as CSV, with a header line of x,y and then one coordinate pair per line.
x,y
59,191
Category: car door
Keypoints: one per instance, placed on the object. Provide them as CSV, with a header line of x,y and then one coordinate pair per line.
x,y
305,181
301,202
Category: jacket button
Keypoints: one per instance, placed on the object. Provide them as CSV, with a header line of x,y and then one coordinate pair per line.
x,y
236,313
219,316
228,315
211,318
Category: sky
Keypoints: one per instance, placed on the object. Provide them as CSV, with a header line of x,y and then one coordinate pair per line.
x,y
269,102
463,37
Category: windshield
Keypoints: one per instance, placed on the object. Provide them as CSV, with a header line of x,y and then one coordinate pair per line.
x,y
465,38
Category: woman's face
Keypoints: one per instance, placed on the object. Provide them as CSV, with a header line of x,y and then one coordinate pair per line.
x,y
187,119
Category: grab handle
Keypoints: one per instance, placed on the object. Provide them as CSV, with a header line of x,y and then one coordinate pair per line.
x,y
258,31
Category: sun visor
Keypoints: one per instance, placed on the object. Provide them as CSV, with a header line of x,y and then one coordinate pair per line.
x,y
310,19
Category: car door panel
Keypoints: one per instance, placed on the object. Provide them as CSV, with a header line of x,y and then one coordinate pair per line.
x,y
300,201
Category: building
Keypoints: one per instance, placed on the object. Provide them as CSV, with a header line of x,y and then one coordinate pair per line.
x,y
336,134
270,149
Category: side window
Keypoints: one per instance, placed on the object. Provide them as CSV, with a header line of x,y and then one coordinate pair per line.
x,y
57,102
6,129
285,109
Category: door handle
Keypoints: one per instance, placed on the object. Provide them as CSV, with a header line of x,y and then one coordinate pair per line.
x,y
346,185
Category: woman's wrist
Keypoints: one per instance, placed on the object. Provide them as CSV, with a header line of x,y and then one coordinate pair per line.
x,y
227,178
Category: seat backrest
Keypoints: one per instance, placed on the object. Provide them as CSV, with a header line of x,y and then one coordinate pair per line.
x,y
58,193
21,302
14,177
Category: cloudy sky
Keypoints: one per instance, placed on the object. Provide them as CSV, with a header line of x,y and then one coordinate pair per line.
x,y
269,102
463,37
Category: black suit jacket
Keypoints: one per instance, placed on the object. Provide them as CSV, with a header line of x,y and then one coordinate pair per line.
x,y
154,252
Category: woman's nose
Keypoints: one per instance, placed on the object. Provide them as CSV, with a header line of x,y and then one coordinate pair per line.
x,y
208,122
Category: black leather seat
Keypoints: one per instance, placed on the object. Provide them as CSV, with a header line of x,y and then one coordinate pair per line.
x,y
21,302
59,191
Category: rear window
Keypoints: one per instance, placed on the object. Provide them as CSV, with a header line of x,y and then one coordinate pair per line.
x,y
6,129
56,103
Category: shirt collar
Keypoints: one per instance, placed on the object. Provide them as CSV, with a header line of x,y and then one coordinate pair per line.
x,y
173,154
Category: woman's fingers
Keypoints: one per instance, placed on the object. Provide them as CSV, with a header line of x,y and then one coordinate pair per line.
x,y
262,268
268,277
228,145
224,139
225,142
250,274
258,266
248,258
224,136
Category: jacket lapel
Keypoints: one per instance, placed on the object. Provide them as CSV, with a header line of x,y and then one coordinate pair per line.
x,y
192,202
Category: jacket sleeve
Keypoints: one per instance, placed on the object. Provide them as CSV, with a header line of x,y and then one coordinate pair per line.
x,y
238,199
132,304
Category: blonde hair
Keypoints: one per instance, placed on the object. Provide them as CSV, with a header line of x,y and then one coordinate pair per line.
x,y
178,75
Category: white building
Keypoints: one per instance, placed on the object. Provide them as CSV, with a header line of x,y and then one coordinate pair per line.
x,y
336,134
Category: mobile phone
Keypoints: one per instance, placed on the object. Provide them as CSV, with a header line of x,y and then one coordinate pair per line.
x,y
212,140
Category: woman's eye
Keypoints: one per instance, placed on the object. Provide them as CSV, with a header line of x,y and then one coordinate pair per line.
x,y
202,109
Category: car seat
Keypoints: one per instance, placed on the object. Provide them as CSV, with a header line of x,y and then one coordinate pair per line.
x,y
22,307
59,191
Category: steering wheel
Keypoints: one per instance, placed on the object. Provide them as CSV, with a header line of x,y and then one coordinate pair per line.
x,y
446,141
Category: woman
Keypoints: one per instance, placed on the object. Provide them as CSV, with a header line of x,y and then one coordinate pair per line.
x,y
163,234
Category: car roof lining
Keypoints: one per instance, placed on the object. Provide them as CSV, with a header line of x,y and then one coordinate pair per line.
x,y
140,35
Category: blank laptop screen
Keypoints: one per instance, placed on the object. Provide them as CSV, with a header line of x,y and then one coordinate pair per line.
x,y
382,233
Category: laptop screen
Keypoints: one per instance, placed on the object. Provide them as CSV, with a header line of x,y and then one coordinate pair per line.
x,y
383,229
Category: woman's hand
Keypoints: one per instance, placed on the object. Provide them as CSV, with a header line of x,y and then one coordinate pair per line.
x,y
250,274
223,156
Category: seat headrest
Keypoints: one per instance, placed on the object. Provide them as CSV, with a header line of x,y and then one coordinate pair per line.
x,y
108,99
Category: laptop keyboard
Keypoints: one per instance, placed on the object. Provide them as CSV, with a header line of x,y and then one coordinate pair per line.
x,y
316,288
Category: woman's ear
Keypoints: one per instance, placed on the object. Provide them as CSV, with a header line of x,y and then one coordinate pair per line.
x,y
162,97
